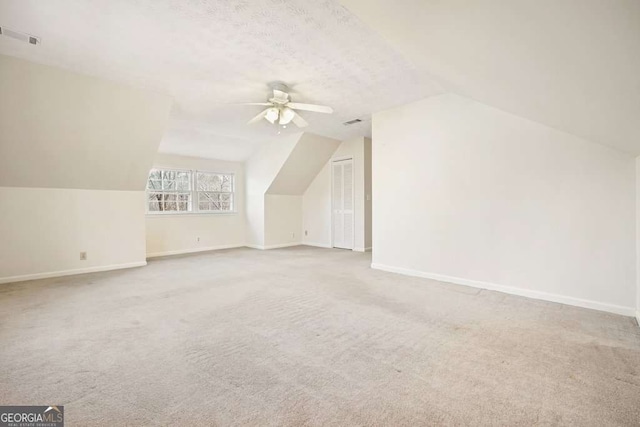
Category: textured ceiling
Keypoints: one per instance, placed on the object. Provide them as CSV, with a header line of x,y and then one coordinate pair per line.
x,y
211,54
570,64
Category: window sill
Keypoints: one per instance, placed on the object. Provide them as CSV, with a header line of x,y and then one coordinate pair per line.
x,y
162,215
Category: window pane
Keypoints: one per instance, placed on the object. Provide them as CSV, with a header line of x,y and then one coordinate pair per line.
x,y
214,182
184,202
208,182
211,206
168,185
227,202
154,184
154,205
169,180
155,180
208,201
227,183
155,201
170,202
183,181
213,201
206,196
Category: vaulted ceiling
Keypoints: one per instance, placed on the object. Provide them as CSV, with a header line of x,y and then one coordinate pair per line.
x,y
570,64
60,129
211,55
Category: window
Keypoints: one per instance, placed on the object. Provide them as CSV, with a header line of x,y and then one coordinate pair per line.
x,y
169,191
215,191
182,191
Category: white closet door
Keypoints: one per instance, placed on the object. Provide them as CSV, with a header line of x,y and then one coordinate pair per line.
x,y
342,209
337,217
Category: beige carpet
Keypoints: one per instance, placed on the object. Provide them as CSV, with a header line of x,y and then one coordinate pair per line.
x,y
307,336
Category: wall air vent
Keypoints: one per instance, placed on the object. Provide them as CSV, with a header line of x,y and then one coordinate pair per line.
x,y
352,122
23,37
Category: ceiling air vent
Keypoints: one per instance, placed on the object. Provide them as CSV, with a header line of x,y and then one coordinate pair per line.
x,y
352,122
23,37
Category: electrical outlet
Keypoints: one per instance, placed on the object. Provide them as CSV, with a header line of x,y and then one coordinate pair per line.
x,y
83,256
306,233
293,235
197,239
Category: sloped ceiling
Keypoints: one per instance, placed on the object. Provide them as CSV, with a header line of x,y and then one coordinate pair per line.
x,y
210,55
60,129
307,158
572,64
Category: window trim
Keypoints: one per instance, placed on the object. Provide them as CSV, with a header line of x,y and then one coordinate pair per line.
x,y
193,192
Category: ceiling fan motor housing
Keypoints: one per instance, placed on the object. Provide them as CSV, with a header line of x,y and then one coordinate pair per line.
x,y
279,86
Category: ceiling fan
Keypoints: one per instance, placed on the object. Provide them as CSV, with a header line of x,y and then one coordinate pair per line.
x,y
282,111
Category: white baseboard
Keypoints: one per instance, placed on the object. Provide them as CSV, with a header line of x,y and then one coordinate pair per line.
x,y
51,274
562,299
278,246
318,245
283,245
638,317
193,250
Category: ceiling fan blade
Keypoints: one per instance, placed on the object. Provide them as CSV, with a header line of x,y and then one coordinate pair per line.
x,y
258,117
266,104
299,121
310,107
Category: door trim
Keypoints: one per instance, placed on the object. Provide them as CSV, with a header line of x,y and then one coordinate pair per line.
x,y
353,198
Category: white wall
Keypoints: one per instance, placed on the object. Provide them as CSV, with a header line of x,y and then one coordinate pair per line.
x,y
182,233
317,198
44,230
75,152
367,194
283,220
638,239
467,193
316,210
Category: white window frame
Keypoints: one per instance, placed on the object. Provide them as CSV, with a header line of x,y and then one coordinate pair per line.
x,y
194,194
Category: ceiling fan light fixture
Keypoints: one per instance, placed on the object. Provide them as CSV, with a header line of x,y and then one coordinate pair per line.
x,y
286,116
281,111
272,114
